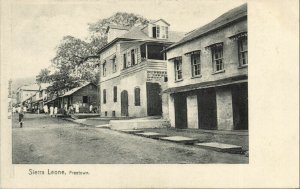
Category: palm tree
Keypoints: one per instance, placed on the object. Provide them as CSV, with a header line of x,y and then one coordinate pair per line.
x,y
43,76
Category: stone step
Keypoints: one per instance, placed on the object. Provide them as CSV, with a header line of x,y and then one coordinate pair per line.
x,y
180,139
103,126
151,135
220,147
131,131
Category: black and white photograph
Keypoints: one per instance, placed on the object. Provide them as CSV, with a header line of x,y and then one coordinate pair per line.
x,y
135,83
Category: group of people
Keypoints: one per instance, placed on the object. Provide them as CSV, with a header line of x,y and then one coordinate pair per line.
x,y
18,109
52,112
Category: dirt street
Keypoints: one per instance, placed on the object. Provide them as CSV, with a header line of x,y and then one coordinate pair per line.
x,y
45,140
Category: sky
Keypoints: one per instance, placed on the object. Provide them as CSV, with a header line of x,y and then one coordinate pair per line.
x,y
38,26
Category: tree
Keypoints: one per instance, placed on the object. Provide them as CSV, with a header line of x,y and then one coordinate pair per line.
x,y
75,59
43,76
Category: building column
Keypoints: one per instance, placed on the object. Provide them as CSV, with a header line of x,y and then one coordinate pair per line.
x,y
192,111
171,111
224,108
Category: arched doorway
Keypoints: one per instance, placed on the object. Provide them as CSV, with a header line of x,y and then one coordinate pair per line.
x,y
124,103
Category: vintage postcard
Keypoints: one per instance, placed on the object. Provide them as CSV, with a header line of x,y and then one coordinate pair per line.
x,y
149,94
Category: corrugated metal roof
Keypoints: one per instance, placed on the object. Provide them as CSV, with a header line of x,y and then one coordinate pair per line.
x,y
224,19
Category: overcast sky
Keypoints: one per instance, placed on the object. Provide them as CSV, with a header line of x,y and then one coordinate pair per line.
x,y
38,27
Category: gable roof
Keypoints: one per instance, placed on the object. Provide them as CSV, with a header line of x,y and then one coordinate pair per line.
x,y
44,86
137,33
223,20
154,21
72,91
31,87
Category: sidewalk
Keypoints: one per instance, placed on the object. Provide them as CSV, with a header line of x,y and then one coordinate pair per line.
x,y
239,138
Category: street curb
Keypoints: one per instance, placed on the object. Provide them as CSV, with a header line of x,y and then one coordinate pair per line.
x,y
82,124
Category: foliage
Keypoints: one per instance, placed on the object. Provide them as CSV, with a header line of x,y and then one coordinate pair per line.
x,y
75,59
43,76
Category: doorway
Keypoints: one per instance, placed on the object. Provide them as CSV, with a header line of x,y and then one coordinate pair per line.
x,y
180,111
124,103
240,106
207,109
154,100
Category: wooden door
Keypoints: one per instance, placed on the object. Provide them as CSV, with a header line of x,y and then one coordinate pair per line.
x,y
207,109
180,111
124,103
154,100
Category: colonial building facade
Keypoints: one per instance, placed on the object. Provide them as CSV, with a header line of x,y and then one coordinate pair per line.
x,y
208,75
26,91
133,70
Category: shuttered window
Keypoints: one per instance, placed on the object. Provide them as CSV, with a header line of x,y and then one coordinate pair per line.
x,y
137,96
115,93
104,96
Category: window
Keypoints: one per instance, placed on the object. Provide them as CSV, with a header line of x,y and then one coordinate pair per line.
x,y
124,61
113,114
243,51
164,32
154,32
178,68
104,96
157,31
105,113
196,66
137,96
128,59
143,51
84,99
115,93
133,62
104,69
217,58
114,65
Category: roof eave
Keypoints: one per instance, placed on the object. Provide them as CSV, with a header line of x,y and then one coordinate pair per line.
x,y
201,35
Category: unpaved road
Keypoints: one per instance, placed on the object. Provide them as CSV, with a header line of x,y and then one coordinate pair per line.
x,y
45,140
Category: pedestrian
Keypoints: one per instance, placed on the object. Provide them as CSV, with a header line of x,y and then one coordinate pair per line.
x,y
19,109
91,108
45,109
13,110
55,111
25,109
51,111
77,108
21,116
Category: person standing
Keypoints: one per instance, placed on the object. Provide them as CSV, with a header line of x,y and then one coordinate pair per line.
x,y
51,111
77,108
13,110
21,116
25,109
55,111
19,109
45,109
91,108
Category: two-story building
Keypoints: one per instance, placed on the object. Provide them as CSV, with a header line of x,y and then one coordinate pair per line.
x,y
133,70
208,75
25,92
